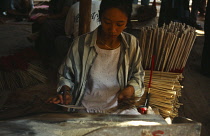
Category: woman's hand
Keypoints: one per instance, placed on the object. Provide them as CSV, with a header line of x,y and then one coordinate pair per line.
x,y
60,99
64,98
126,93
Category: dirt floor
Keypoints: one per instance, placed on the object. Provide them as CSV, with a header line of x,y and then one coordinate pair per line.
x,y
20,102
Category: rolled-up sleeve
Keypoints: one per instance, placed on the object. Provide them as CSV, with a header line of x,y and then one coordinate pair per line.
x,y
66,73
136,71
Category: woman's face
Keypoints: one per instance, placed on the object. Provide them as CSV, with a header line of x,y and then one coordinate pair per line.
x,y
113,22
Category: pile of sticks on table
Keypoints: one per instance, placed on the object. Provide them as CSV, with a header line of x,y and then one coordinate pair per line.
x,y
164,92
11,80
171,45
21,69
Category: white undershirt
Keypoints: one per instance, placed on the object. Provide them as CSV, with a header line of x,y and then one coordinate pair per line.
x,y
102,85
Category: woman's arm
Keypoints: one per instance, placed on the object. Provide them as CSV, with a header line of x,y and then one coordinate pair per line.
x,y
126,93
66,82
136,72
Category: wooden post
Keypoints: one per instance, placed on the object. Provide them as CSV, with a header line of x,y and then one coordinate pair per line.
x,y
84,16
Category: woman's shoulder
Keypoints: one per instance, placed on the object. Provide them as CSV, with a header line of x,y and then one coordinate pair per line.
x,y
129,38
128,35
86,38
86,35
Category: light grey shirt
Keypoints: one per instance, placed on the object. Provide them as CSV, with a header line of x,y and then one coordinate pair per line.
x,y
81,56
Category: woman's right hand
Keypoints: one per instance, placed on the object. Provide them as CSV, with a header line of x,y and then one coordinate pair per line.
x,y
64,98
60,99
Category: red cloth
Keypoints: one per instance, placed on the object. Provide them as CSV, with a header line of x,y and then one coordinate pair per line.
x,y
17,61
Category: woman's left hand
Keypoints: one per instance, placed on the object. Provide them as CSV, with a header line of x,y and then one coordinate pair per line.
x,y
126,93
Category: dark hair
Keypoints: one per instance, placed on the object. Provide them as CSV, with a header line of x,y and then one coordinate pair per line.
x,y
124,5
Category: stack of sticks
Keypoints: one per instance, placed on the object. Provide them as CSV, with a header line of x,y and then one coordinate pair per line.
x,y
164,92
171,45
12,80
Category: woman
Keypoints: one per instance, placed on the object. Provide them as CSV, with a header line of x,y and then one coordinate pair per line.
x,y
104,66
47,27
63,42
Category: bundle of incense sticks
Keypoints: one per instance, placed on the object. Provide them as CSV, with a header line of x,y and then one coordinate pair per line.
x,y
22,78
171,45
165,90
